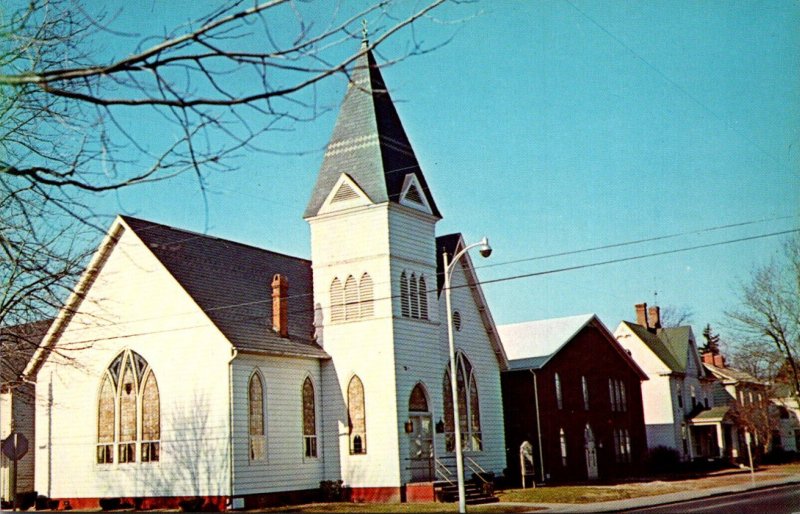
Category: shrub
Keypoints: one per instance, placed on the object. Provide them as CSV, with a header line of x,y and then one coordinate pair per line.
x,y
26,500
110,503
331,490
663,459
191,504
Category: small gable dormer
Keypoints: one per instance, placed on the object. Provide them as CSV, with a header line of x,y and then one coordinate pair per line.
x,y
345,194
412,195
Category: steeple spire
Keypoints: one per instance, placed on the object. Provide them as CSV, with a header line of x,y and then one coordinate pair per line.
x,y
368,143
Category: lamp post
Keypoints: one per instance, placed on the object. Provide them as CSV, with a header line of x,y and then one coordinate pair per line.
x,y
485,251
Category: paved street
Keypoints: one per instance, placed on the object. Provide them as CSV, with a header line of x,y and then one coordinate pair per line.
x,y
775,500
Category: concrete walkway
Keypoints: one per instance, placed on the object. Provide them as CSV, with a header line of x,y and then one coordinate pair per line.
x,y
660,499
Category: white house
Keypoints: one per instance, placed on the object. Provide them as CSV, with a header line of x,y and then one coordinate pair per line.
x,y
17,345
678,388
207,368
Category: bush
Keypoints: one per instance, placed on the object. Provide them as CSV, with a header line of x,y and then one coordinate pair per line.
x,y
485,481
191,504
663,459
109,503
26,500
331,490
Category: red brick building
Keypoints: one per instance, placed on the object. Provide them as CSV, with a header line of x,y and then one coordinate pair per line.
x,y
574,394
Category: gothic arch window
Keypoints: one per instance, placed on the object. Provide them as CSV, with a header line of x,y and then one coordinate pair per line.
x,y
337,301
255,400
559,397
365,296
468,406
309,419
623,401
562,439
405,309
356,416
128,411
418,401
413,295
585,389
423,298
351,310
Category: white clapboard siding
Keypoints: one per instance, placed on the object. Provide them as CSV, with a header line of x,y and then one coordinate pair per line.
x,y
135,303
473,340
285,467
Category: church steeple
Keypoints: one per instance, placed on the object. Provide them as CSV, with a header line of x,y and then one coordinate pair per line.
x,y
370,145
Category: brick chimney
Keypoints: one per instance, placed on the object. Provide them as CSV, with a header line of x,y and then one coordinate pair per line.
x,y
280,314
654,317
714,359
641,315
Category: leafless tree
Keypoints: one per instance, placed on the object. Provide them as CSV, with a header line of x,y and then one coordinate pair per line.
x,y
676,316
769,312
207,91
757,416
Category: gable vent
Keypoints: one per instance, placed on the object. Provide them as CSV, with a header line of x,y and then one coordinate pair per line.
x,y
344,193
412,195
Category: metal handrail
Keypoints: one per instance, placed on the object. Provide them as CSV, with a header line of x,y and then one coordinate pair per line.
x,y
476,468
438,467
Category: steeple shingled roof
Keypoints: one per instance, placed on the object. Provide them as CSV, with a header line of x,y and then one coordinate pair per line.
x,y
368,142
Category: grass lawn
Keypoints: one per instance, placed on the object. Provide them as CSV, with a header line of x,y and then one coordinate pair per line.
x,y
396,507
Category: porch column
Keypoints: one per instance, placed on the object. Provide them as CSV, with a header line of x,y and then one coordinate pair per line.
x,y
720,440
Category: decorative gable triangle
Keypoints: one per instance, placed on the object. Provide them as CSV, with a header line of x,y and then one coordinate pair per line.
x,y
344,194
412,195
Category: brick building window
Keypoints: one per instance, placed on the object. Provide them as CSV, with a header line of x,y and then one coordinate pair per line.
x,y
562,438
128,387
559,397
585,389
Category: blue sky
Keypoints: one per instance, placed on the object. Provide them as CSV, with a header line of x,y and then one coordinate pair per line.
x,y
554,126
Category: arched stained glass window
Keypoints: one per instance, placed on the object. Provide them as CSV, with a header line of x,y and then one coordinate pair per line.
x,y
309,419
468,406
559,397
128,411
418,402
585,389
337,301
365,294
562,438
356,416
256,418
151,415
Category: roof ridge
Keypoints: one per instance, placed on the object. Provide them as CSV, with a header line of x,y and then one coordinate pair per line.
x,y
126,218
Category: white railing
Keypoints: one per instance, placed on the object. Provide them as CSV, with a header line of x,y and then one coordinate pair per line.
x,y
443,471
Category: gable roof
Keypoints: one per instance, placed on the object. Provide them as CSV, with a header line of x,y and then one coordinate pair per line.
x,y
732,374
452,244
231,281
532,344
668,351
368,143
18,343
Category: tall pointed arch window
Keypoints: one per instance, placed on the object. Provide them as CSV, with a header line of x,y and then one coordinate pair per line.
x,y
351,309
337,300
255,400
365,296
356,416
559,397
468,406
585,389
128,411
562,439
309,419
423,298
413,295
405,308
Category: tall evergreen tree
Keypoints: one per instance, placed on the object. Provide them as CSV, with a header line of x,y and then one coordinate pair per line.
x,y
712,341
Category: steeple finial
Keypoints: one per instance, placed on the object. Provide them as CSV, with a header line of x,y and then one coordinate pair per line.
x,y
364,32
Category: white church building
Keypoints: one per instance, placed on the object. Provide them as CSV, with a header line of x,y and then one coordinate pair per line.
x,y
188,366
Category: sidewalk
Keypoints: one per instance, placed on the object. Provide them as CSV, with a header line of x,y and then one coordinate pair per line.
x,y
661,499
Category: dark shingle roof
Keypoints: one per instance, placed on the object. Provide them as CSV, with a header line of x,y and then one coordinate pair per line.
x,y
231,282
17,345
732,374
447,243
368,143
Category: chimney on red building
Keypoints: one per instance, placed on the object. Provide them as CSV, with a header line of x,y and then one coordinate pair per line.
x,y
654,317
641,315
280,314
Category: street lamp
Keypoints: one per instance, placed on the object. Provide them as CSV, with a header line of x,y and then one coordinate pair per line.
x,y
485,251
